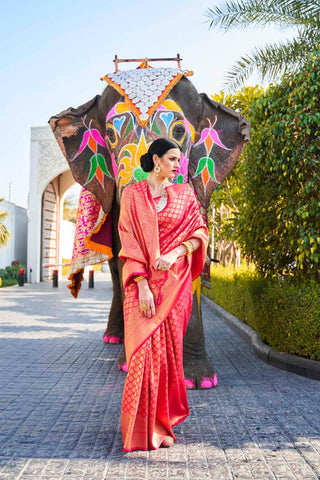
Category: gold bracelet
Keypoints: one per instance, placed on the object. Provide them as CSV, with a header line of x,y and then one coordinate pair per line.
x,y
138,278
189,246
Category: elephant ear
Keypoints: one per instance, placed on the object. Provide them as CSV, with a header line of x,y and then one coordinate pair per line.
x,y
79,133
221,136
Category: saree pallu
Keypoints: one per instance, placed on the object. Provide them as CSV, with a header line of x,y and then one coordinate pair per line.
x,y
92,240
154,396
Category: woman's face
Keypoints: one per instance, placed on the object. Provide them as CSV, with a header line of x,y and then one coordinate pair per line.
x,y
168,163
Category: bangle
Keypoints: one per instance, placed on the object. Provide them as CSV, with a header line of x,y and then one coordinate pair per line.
x,y
138,278
185,244
189,246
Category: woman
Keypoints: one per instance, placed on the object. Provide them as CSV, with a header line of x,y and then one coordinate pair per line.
x,y
164,241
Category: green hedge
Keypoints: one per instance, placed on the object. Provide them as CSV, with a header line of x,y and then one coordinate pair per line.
x,y
278,218
285,313
9,275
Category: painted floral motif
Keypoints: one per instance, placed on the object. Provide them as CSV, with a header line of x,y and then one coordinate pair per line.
x,y
91,139
182,176
97,168
127,141
206,166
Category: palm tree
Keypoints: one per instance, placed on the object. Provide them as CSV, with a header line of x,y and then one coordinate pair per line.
x,y
4,233
275,59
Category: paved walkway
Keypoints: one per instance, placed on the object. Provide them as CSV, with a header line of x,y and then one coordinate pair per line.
x,y
60,394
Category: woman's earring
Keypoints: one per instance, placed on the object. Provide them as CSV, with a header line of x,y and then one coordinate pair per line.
x,y
157,170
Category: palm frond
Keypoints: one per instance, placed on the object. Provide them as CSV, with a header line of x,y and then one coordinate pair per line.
x,y
4,232
3,215
4,235
255,13
306,8
309,37
271,62
301,12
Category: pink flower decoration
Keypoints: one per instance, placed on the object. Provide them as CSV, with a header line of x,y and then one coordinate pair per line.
x,y
213,134
183,167
95,135
114,165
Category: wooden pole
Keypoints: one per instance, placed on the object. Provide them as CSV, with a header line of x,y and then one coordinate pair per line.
x,y
117,60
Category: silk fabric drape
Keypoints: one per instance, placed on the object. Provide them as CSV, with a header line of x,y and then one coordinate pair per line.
x,y
154,397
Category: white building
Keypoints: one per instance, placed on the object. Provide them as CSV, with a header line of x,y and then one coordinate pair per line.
x,y
67,230
50,178
17,224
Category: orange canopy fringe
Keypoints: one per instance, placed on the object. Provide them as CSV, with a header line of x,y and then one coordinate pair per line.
x,y
98,247
76,280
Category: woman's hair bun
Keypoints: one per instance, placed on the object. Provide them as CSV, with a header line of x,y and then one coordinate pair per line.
x,y
158,147
146,162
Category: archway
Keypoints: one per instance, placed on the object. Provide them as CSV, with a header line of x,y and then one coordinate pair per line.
x,y
51,220
68,216
50,178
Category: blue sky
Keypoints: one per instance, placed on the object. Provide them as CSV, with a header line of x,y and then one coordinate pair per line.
x,y
53,54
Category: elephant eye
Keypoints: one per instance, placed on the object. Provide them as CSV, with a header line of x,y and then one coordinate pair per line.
x,y
111,135
178,132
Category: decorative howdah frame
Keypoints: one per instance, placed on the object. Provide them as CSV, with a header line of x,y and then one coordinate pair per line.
x,y
145,61
145,87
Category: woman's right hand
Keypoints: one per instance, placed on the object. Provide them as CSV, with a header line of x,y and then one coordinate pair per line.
x,y
146,298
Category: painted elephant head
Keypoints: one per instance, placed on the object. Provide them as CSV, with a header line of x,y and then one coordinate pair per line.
x,y
104,138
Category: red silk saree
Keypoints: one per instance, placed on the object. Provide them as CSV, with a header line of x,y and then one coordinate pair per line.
x,y
154,396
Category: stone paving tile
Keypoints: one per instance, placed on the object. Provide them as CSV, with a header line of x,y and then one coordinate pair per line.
x,y
60,400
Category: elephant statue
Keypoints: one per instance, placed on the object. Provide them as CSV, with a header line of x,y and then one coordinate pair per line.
x,y
103,140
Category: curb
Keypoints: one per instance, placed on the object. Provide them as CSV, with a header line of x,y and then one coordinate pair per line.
x,y
290,363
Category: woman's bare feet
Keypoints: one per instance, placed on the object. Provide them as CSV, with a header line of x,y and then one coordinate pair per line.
x,y
167,442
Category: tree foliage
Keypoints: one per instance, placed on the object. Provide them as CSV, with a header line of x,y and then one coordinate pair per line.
x,y
274,59
278,222
241,100
70,207
227,196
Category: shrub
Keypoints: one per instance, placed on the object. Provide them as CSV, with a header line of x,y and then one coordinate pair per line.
x,y
9,275
278,222
285,313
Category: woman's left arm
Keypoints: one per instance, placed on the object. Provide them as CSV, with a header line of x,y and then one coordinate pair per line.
x,y
198,240
167,260
195,242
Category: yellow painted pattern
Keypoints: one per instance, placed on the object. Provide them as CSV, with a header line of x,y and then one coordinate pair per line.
x,y
122,107
196,287
128,161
